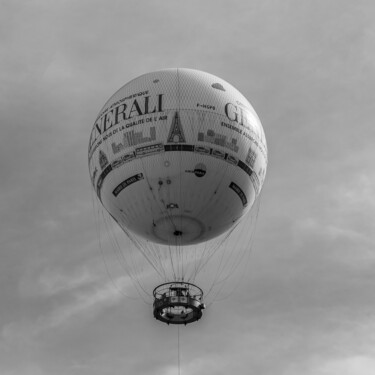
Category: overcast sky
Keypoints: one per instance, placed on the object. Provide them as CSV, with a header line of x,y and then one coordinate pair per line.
x,y
307,303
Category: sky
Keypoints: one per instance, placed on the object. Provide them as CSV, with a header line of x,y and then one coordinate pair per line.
x,y
306,304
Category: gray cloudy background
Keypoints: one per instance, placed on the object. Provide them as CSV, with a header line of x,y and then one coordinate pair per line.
x,y
307,303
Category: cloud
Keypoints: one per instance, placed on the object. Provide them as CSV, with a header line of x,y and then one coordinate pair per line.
x,y
53,281
85,305
81,306
359,365
306,304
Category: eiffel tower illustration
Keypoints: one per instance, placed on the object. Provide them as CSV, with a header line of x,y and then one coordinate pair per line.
x,y
176,133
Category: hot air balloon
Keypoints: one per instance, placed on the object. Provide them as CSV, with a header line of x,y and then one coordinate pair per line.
x,y
177,158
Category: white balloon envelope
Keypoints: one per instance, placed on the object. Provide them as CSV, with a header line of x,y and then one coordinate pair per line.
x,y
177,157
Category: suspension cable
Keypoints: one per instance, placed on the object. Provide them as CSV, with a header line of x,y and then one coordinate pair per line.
x,y
178,350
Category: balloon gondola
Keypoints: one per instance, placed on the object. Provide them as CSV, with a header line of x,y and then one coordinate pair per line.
x,y
177,158
178,302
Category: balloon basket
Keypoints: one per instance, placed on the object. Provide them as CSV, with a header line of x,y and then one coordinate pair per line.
x,y
178,302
